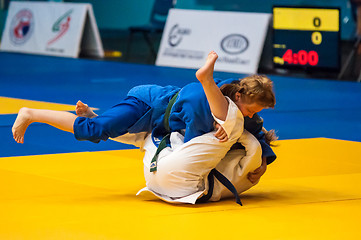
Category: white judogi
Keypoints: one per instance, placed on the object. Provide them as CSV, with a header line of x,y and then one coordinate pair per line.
x,y
182,170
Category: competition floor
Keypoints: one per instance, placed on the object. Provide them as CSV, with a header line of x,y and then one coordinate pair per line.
x,y
53,187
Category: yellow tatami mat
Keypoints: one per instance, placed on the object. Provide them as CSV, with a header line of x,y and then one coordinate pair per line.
x,y
13,105
312,191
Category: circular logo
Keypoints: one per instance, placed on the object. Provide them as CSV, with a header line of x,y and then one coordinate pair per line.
x,y
22,26
174,37
234,44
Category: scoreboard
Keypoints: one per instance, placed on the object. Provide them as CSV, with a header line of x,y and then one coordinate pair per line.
x,y
306,38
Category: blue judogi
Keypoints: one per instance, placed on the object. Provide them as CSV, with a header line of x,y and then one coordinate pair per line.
x,y
143,111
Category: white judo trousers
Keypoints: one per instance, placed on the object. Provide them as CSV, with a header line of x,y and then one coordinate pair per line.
x,y
183,168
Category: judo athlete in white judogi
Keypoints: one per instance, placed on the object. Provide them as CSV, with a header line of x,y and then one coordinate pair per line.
x,y
183,168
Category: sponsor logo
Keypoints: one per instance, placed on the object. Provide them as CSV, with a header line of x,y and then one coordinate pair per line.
x,y
61,26
21,27
234,44
176,35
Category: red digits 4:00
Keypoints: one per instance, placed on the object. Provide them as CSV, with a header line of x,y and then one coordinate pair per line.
x,y
302,57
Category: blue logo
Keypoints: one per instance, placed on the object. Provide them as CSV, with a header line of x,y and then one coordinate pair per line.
x,y
22,27
234,44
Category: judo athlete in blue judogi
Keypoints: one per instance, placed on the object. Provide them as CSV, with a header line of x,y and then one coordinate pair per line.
x,y
143,111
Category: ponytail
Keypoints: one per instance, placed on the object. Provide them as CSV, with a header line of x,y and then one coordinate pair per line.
x,y
270,136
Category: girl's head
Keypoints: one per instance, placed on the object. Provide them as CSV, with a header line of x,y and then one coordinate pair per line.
x,y
251,94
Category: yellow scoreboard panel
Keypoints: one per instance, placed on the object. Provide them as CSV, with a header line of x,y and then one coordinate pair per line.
x,y
306,37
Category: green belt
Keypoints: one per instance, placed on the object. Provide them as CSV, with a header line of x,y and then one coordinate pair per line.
x,y
166,138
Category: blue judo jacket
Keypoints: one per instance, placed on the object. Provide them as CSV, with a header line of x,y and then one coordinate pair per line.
x,y
190,111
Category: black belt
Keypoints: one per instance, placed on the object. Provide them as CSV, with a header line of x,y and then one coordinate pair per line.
x,y
215,173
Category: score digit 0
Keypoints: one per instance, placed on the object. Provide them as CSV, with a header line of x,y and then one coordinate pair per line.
x,y
316,38
317,22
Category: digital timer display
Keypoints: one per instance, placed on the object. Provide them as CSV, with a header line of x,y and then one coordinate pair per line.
x,y
301,57
306,37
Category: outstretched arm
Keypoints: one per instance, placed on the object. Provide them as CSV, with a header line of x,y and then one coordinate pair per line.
x,y
217,102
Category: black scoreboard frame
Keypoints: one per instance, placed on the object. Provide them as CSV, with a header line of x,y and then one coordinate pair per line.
x,y
307,68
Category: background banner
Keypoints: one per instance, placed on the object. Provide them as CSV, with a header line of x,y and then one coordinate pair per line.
x,y
59,29
189,36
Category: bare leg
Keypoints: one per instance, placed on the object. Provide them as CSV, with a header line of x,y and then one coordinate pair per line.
x,y
59,119
216,100
205,73
83,110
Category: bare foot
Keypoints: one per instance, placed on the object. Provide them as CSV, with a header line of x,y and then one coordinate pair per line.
x,y
83,110
23,120
206,72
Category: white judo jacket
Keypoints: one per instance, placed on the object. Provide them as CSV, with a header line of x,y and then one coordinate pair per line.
x,y
182,169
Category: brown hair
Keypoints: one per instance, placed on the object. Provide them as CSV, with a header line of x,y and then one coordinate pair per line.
x,y
254,88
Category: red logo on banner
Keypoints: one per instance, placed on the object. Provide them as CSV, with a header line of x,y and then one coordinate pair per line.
x,y
21,27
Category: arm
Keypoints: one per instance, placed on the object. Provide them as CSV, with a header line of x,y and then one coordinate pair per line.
x,y
216,100
254,176
254,126
253,155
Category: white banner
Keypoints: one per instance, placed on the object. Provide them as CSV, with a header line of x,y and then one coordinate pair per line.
x,y
236,37
59,29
